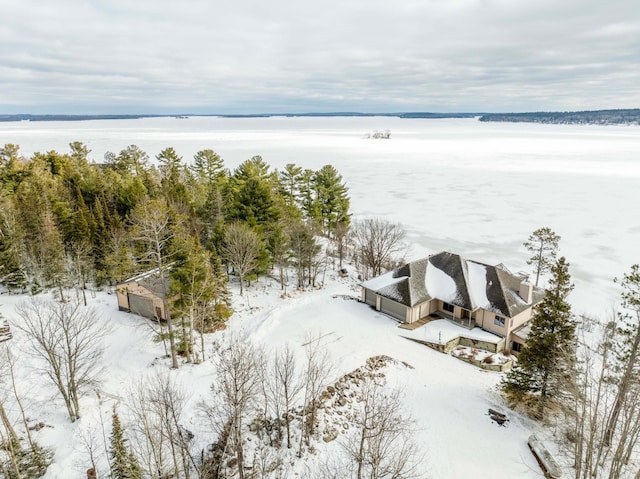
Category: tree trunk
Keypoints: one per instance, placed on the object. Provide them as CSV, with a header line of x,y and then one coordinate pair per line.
x,y
172,340
239,453
623,388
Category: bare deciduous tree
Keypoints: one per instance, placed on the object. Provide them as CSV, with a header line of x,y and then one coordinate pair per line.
x,y
81,266
241,249
288,384
381,445
162,445
236,391
152,226
376,241
317,370
589,406
628,345
305,253
67,338
17,460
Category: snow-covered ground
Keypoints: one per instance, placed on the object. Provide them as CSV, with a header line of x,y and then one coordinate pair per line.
x,y
448,398
477,189
469,187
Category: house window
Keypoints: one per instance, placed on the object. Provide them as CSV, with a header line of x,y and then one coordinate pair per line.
x,y
516,347
447,307
499,321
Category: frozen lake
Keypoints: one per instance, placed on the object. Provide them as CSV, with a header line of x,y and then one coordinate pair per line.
x,y
478,189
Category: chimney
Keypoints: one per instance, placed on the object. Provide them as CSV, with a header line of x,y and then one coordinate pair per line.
x,y
526,291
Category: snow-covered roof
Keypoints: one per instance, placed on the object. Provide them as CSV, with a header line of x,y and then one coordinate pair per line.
x,y
453,279
150,280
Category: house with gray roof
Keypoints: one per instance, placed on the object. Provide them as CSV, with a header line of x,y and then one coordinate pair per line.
x,y
467,292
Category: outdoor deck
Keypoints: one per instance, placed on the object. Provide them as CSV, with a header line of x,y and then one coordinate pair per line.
x,y
417,324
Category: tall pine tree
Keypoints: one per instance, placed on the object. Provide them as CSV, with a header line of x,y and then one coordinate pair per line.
x,y
546,358
124,464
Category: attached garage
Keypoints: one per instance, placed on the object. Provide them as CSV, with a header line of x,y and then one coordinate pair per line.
x,y
393,308
370,297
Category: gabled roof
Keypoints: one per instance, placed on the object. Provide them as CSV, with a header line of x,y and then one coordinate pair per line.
x,y
453,279
150,280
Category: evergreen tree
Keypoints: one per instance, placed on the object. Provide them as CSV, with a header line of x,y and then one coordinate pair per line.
x,y
52,258
84,221
289,183
254,205
12,271
124,464
208,166
198,286
11,167
332,199
253,195
543,245
172,173
308,203
548,354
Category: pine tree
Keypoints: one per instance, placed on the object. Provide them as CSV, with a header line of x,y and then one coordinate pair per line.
x,y
172,172
289,182
124,464
52,256
543,245
198,286
548,354
12,271
332,198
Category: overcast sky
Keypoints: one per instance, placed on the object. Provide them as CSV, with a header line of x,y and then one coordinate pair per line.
x,y
239,56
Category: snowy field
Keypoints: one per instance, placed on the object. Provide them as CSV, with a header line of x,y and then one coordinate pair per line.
x,y
477,189
447,398
472,188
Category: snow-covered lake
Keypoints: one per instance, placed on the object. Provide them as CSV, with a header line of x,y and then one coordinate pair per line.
x,y
474,188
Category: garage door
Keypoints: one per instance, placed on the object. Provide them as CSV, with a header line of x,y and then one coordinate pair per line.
x,y
141,305
394,309
370,297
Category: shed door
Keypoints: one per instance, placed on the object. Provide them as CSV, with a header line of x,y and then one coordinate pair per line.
x,y
394,309
141,305
370,297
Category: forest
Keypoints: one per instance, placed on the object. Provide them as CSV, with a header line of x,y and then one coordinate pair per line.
x,y
66,222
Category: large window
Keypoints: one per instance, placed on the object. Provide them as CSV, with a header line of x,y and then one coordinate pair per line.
x,y
447,307
516,347
499,321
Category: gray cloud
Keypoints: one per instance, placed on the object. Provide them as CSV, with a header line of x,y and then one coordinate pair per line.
x,y
247,56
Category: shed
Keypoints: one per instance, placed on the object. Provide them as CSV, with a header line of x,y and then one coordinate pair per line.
x,y
144,295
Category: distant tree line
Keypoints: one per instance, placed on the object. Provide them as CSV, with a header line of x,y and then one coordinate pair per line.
x,y
596,117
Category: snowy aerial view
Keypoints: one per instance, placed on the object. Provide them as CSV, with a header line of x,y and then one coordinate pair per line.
x,y
336,240
480,198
